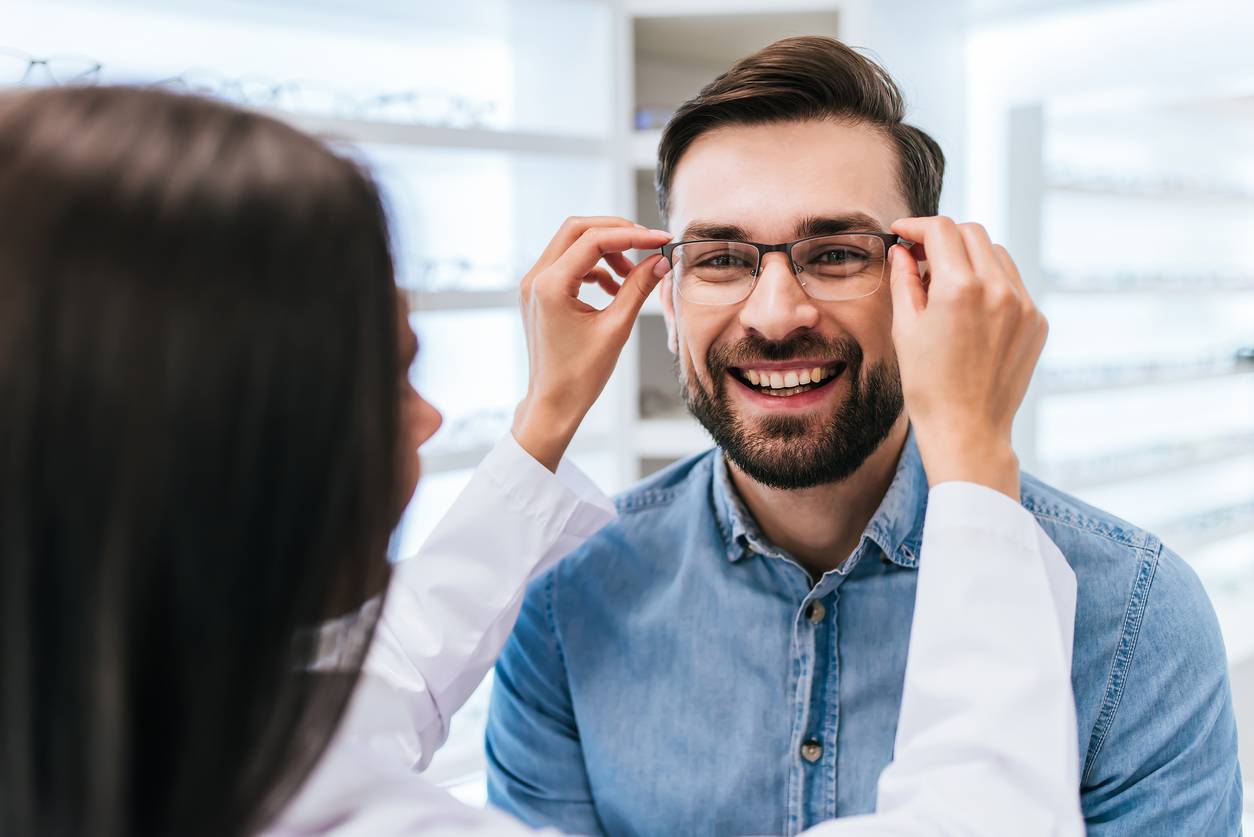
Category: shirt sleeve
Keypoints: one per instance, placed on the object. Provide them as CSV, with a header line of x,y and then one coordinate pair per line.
x,y
450,607
986,742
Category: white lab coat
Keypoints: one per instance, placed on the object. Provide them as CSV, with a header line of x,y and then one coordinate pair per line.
x,y
986,741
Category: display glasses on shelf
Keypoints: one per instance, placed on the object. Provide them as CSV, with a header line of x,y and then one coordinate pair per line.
x,y
475,220
1145,400
313,98
18,68
1198,280
495,64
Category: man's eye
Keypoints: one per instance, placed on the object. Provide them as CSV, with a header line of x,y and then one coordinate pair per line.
x,y
840,255
723,260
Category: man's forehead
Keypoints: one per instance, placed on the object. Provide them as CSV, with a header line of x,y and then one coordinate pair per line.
x,y
771,179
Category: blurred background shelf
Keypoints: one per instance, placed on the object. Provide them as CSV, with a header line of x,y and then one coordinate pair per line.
x,y
1106,378
1147,462
1107,284
1194,532
1149,190
420,300
644,149
376,132
670,438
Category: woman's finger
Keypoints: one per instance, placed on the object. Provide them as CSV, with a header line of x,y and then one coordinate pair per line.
x,y
942,244
908,294
980,253
570,230
596,244
603,279
637,287
1011,269
620,264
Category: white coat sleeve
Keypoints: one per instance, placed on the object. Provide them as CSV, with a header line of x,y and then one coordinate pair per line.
x,y
448,611
450,608
986,741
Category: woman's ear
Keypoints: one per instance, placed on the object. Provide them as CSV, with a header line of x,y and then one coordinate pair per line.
x,y
666,290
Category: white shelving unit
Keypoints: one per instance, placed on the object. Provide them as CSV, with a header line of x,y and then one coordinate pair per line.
x,y
1134,199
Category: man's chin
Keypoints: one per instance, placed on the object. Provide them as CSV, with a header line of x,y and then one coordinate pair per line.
x,y
783,432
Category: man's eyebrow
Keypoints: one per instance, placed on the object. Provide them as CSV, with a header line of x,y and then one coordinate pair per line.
x,y
700,230
809,226
834,224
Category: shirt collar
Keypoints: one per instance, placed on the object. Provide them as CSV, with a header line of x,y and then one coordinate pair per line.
x,y
896,527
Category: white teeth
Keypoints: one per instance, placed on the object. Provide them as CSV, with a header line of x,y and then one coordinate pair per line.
x,y
783,383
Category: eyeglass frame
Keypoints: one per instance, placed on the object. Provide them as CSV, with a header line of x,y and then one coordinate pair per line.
x,y
91,74
889,239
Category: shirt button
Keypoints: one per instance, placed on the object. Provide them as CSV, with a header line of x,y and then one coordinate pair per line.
x,y
815,611
812,751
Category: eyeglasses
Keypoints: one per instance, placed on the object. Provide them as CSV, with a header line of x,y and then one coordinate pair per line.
x,y
17,67
427,107
828,267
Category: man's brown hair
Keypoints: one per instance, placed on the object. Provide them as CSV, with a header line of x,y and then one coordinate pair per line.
x,y
804,78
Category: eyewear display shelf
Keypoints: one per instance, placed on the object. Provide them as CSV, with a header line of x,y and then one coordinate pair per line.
x,y
1192,483
444,458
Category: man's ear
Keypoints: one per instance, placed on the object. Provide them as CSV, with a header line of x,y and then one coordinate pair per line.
x,y
665,290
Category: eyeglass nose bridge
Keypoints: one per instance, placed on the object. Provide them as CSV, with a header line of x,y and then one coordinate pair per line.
x,y
786,249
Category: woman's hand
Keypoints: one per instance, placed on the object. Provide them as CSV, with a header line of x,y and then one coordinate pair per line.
x,y
967,342
571,346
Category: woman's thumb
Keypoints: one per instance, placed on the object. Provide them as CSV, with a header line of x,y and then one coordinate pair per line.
x,y
909,297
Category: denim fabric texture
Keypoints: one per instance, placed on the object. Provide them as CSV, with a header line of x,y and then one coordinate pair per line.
x,y
675,676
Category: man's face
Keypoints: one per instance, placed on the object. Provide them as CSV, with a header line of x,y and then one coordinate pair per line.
x,y
771,184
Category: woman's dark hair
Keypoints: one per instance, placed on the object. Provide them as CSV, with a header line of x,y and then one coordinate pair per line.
x,y
801,78
200,384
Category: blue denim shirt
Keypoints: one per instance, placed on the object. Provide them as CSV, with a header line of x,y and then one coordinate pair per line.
x,y
679,674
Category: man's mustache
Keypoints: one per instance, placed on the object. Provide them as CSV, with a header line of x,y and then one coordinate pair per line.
x,y
806,345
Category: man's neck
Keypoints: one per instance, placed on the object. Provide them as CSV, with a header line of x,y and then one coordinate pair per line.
x,y
821,526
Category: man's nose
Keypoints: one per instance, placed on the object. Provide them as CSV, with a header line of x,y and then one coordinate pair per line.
x,y
778,305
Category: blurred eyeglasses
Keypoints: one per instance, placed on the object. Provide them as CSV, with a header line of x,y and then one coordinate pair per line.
x,y
20,68
258,92
828,267
428,107
321,99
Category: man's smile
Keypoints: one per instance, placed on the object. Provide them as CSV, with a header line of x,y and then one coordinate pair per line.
x,y
787,384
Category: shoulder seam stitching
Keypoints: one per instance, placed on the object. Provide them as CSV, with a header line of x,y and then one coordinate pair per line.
x,y
550,593
1122,661
1092,527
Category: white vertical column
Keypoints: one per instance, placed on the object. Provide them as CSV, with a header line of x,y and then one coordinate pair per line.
x,y
1025,185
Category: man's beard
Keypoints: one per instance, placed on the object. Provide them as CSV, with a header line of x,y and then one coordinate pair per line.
x,y
794,452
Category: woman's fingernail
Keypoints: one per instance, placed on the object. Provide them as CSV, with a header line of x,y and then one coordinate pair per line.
x,y
662,267
662,232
